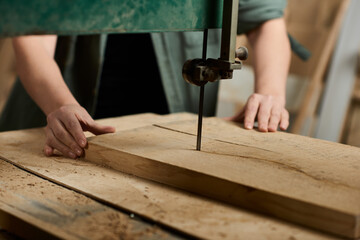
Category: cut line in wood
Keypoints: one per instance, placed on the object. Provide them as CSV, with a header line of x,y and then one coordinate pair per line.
x,y
307,181
199,217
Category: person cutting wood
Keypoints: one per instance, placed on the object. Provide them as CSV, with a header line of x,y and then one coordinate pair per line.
x,y
87,80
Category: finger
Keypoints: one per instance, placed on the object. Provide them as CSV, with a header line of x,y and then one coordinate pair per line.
x,y
250,112
49,151
73,126
54,143
274,119
264,116
96,128
284,122
62,134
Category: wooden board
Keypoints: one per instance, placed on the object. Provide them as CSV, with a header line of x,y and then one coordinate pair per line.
x,y
34,208
337,94
194,215
351,128
352,136
308,181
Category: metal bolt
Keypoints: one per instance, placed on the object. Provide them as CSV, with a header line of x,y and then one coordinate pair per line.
x,y
242,53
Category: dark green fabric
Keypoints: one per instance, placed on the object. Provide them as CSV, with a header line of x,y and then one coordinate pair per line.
x,y
252,13
299,49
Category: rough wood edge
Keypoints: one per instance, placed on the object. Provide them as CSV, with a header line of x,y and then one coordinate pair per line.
x,y
154,171
10,222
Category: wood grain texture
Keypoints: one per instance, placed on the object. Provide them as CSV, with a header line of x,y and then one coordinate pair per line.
x,y
34,208
299,179
188,213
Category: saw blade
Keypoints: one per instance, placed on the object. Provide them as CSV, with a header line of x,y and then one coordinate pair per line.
x,y
201,97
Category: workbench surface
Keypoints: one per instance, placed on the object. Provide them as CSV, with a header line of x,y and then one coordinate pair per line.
x,y
38,198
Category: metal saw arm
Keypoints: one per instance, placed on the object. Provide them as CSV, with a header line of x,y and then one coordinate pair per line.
x,y
200,71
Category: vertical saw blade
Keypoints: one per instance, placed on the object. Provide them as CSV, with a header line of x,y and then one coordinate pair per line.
x,y
201,98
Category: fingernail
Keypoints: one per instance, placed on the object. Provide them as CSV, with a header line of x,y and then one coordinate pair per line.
x,y
83,143
47,151
72,155
248,126
78,152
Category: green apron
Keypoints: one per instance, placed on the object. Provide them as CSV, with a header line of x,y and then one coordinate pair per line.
x,y
80,59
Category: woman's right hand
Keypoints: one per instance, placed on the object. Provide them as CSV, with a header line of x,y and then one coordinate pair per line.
x,y
65,130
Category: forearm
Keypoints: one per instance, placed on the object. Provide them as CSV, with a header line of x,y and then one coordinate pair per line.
x,y
39,72
41,77
271,60
271,57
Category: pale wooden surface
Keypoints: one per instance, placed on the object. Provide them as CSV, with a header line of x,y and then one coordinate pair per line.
x,y
43,210
188,213
296,178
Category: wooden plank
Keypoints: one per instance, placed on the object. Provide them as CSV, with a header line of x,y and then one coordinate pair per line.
x,y
353,127
352,131
312,96
340,78
188,213
34,208
356,92
296,178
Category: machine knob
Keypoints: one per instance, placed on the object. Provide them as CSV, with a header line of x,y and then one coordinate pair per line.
x,y
241,53
191,71
198,72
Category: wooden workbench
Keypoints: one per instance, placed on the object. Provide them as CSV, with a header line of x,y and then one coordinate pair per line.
x,y
55,197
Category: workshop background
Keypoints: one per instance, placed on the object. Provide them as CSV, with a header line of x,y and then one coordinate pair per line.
x,y
323,94
146,181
